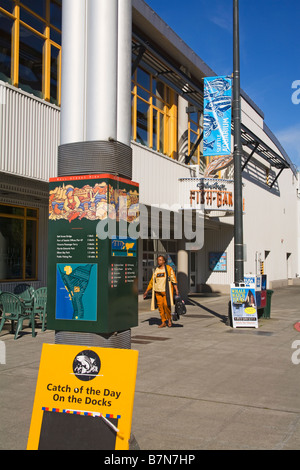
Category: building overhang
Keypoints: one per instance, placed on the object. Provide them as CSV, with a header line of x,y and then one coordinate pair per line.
x,y
259,147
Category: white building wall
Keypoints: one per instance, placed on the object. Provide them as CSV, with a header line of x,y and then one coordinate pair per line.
x,y
270,227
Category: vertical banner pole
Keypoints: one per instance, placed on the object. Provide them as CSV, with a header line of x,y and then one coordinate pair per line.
x,y
238,152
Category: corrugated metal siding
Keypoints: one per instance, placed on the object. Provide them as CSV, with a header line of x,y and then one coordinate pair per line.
x,y
29,134
159,176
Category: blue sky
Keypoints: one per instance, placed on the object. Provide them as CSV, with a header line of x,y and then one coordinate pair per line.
x,y
269,53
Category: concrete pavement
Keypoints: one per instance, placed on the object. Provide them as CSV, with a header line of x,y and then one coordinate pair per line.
x,y
200,384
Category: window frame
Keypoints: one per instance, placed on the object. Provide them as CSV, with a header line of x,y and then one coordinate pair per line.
x,y
24,218
48,43
164,140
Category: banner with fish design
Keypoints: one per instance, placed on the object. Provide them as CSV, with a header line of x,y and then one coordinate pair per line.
x,y
217,116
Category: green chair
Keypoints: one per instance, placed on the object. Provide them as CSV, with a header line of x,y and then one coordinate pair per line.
x,y
13,309
27,296
40,304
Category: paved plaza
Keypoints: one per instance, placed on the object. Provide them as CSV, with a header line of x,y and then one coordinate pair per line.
x,y
200,384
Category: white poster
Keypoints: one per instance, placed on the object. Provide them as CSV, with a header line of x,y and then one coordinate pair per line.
x,y
243,306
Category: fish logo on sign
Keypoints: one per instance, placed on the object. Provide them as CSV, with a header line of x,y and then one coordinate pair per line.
x,y
209,124
220,105
220,84
86,365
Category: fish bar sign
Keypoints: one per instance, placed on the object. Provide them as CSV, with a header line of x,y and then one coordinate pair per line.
x,y
84,399
212,194
217,116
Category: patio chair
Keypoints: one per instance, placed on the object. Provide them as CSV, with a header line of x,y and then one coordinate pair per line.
x,y
40,304
13,309
26,295
19,288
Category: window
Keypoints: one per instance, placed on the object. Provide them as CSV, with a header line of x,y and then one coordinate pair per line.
x,y
18,243
31,62
154,113
30,46
6,27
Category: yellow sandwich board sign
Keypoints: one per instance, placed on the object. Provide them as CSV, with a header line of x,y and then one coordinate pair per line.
x,y
84,398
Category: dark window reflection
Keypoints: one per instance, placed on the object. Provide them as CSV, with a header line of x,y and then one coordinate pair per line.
x,y
31,62
6,25
11,246
31,231
38,6
55,13
54,79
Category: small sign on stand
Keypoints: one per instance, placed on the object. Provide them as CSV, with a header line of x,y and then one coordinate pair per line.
x,y
84,399
243,305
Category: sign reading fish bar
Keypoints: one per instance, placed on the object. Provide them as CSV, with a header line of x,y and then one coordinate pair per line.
x,y
207,194
217,116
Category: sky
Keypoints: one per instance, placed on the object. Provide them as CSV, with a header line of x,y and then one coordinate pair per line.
x,y
269,53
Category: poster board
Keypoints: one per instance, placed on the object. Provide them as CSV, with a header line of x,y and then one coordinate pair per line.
x,y
84,399
243,306
250,279
218,261
92,271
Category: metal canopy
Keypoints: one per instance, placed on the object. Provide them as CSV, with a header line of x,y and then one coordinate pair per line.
x,y
167,71
256,145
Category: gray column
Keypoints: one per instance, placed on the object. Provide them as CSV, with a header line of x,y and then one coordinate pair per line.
x,y
72,114
124,71
102,68
183,270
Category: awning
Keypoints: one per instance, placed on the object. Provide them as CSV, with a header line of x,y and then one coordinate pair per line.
x,y
166,70
257,146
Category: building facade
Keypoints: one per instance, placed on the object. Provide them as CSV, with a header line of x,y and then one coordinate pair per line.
x,y
167,157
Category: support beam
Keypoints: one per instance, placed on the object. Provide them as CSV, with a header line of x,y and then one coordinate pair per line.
x,y
276,178
188,158
250,156
138,59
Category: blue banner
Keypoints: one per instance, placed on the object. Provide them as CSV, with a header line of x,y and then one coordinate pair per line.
x,y
217,116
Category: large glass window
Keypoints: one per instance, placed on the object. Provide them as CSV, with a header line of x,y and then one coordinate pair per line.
x,y
31,62
18,243
55,74
39,7
30,46
6,27
55,13
154,111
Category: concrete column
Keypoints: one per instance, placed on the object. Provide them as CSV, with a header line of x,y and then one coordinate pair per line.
x,y
183,270
124,71
72,115
102,68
